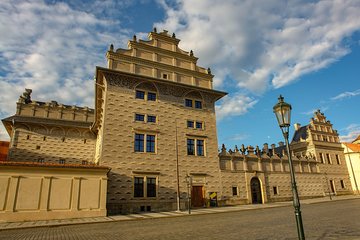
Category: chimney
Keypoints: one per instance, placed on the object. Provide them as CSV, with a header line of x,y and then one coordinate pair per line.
x,y
297,126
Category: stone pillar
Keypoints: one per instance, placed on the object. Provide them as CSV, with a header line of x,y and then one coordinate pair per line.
x,y
45,193
282,166
245,164
103,192
75,194
12,193
260,166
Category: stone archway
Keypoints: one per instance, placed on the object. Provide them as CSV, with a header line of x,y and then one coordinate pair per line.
x,y
255,187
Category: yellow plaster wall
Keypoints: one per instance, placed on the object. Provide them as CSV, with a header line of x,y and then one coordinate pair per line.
x,y
39,193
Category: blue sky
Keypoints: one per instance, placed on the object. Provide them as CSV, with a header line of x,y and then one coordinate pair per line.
x,y
308,51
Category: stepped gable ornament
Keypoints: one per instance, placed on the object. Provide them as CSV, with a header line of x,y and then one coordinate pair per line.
x,y
265,148
250,149
26,96
242,150
236,148
223,152
257,151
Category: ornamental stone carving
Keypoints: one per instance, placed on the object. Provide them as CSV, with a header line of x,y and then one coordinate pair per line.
x,y
121,81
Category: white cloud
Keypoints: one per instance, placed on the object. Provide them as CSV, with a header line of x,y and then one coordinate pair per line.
x,y
346,95
238,137
311,112
4,136
53,49
263,44
351,133
234,105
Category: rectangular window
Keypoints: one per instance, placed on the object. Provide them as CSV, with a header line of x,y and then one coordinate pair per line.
x,y
150,143
138,187
191,146
151,187
234,191
140,94
139,142
342,184
275,189
139,117
321,157
200,147
151,96
188,103
199,125
198,104
328,158
151,118
337,159
190,124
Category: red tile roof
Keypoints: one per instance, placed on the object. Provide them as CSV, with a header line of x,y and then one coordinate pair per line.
x,y
353,146
4,149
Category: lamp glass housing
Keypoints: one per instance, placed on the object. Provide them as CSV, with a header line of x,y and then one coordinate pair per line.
x,y
282,112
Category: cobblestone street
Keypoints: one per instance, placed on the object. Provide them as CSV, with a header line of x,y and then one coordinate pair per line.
x,y
326,220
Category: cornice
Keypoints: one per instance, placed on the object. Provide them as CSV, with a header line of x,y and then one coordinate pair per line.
x,y
47,121
131,77
153,49
162,66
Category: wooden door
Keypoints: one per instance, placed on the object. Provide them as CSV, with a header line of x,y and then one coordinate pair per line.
x,y
197,196
255,190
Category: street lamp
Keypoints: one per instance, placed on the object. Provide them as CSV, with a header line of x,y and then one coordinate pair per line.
x,y
189,183
282,112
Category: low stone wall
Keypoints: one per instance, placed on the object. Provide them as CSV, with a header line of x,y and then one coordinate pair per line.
x,y
35,191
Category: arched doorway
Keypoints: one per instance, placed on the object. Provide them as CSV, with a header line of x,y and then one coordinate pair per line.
x,y
255,190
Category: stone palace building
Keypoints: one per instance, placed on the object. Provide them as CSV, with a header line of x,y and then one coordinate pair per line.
x,y
154,125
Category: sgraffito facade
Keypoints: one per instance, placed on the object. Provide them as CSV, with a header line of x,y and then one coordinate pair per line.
x,y
154,125
155,119
262,175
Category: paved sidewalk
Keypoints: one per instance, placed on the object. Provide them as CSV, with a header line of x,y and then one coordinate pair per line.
x,y
48,223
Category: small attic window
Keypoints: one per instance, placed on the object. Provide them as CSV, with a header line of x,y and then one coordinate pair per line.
x,y
165,76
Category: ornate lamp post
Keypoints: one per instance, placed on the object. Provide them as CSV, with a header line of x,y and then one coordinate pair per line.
x,y
282,112
189,183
